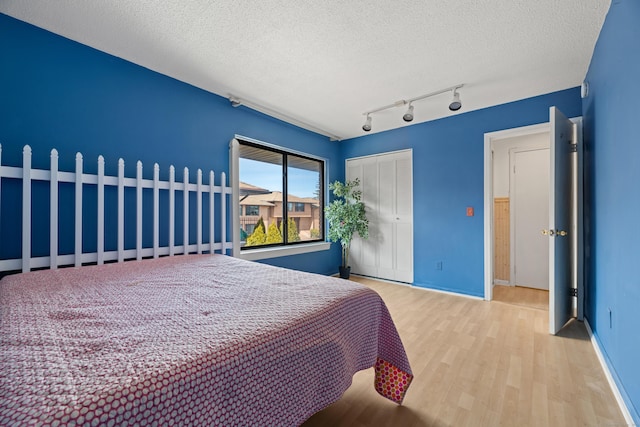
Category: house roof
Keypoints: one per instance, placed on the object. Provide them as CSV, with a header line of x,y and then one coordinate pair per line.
x,y
255,200
252,189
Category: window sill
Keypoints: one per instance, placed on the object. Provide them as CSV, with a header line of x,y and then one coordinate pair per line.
x,y
264,253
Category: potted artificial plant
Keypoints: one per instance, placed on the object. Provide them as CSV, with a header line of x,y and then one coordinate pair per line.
x,y
346,216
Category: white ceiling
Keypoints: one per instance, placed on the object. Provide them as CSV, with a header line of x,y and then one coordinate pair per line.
x,y
326,62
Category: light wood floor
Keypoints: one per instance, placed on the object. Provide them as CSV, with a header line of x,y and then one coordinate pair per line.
x,y
529,297
479,363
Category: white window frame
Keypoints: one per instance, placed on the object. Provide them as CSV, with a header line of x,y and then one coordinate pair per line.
x,y
276,251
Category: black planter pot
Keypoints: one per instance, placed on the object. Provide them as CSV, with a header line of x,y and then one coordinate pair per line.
x,y
345,272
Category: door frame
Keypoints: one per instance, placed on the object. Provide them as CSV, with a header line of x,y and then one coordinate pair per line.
x,y
497,136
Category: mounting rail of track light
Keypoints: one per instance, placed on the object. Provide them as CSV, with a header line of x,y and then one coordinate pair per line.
x,y
237,102
455,105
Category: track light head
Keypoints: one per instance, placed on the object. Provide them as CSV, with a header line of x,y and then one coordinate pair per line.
x,y
455,103
408,116
367,125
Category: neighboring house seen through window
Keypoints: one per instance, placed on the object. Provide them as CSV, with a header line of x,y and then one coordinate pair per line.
x,y
271,179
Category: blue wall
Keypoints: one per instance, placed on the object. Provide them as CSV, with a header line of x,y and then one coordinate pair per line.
x,y
448,176
612,168
56,93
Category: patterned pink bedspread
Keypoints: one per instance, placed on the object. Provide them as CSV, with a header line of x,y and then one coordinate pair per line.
x,y
189,340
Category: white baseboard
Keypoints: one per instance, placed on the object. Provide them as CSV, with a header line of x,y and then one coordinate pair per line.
x,y
408,285
614,387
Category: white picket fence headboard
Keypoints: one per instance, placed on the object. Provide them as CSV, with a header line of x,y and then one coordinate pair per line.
x,y
27,174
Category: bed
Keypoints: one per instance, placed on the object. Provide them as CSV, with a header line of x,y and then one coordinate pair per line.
x,y
169,330
188,340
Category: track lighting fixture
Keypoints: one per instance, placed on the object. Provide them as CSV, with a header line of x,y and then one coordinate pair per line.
x,y
455,105
408,116
367,124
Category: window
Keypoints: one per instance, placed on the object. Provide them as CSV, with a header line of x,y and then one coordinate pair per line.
x,y
252,210
273,179
295,207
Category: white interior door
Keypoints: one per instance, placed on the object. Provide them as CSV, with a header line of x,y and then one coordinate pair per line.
x,y
563,135
530,199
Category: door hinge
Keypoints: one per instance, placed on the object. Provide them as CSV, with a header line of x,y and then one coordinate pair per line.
x,y
573,292
573,148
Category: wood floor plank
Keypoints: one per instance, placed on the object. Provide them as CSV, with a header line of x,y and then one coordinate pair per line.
x,y
479,363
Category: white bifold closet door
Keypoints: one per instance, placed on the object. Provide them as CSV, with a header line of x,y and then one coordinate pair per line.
x,y
386,181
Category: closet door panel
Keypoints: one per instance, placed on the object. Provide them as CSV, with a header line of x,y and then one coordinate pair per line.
x,y
356,252
386,250
386,183
404,204
386,188
365,259
404,253
404,219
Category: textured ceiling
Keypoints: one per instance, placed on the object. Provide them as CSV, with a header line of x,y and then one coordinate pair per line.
x,y
326,62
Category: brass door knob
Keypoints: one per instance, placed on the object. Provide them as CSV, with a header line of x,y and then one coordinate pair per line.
x,y
544,232
561,233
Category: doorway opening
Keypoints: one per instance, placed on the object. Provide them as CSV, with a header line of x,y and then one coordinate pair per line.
x,y
564,233
520,197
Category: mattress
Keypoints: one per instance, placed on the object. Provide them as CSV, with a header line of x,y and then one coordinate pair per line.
x,y
188,340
